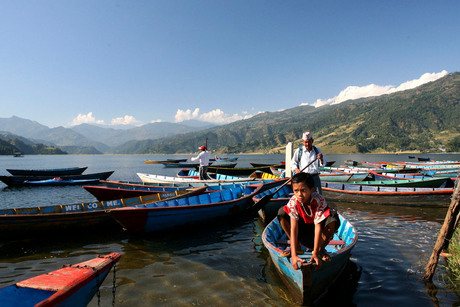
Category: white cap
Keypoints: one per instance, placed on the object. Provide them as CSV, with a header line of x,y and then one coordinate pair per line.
x,y
306,136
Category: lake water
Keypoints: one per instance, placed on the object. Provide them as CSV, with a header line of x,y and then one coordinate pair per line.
x,y
225,263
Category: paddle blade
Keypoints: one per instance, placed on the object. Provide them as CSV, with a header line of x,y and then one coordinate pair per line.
x,y
262,202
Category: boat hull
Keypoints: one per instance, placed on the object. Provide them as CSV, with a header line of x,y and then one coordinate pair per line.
x,y
308,284
19,180
387,195
167,215
48,172
150,178
242,171
69,286
73,219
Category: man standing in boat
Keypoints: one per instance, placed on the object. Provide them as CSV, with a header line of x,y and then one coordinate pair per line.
x,y
306,154
204,157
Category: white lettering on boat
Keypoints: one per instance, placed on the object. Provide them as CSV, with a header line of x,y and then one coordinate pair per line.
x,y
92,206
72,208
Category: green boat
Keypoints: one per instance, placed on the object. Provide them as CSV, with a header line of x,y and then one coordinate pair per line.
x,y
411,183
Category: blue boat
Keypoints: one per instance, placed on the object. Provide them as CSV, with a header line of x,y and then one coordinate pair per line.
x,y
19,180
308,283
190,210
73,285
73,219
182,164
58,181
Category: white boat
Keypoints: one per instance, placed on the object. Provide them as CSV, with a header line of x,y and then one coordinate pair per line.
x,y
150,178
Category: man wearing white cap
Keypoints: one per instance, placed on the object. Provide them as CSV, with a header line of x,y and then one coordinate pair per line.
x,y
204,162
304,155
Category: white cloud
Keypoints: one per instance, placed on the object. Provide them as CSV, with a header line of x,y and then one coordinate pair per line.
x,y
216,116
156,121
355,92
182,115
425,78
86,119
126,120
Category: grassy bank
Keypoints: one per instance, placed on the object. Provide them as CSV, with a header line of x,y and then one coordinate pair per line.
x,y
453,262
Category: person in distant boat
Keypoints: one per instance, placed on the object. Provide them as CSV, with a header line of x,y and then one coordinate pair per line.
x,y
307,220
204,157
304,155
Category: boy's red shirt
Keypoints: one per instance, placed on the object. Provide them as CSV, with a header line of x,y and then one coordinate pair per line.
x,y
319,209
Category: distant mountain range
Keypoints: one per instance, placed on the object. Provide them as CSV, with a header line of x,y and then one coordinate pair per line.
x,y
100,139
425,119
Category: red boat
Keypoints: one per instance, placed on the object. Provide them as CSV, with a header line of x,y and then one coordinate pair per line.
x,y
73,285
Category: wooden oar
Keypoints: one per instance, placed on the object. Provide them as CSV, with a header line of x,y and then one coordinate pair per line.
x,y
264,200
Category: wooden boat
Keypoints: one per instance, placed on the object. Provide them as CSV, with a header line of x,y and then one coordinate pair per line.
x,y
241,171
115,189
329,163
74,218
73,285
277,172
256,164
190,210
58,181
351,162
165,161
418,183
386,195
182,164
423,175
342,177
140,184
392,176
308,283
54,172
225,159
19,180
193,174
264,176
104,193
280,198
423,158
150,178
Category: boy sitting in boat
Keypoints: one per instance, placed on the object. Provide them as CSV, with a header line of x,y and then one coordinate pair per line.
x,y
307,219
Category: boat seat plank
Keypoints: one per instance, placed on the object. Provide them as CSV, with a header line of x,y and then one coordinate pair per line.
x,y
227,195
204,198
182,202
215,197
54,281
193,200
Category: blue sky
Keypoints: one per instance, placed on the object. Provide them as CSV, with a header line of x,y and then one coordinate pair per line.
x,y
135,62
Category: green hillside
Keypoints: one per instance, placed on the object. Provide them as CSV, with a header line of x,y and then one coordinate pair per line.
x,y
424,119
13,146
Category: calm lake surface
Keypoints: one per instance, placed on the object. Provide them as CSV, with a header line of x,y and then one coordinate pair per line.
x,y
225,263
